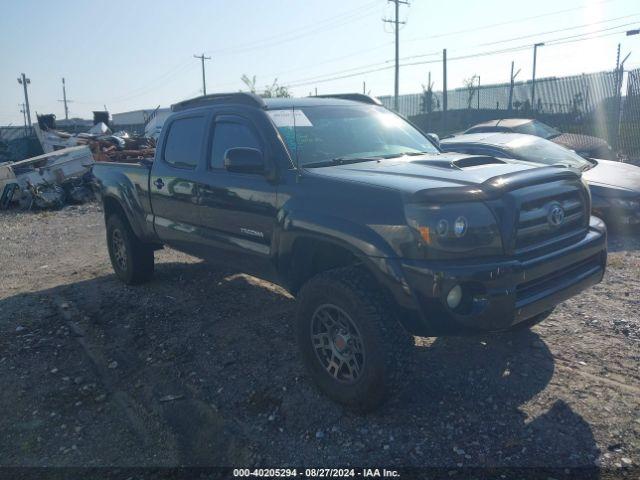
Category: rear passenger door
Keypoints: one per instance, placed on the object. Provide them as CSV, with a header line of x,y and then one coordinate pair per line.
x,y
174,181
238,210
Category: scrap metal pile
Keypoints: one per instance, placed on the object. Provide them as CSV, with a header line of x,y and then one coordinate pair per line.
x,y
48,181
63,174
105,145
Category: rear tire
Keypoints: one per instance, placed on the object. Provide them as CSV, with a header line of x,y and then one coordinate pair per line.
x,y
349,341
131,259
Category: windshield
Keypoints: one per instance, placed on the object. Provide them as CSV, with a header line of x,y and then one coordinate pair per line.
x,y
543,151
537,128
319,134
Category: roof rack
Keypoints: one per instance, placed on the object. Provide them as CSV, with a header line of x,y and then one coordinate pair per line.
x,y
243,98
356,97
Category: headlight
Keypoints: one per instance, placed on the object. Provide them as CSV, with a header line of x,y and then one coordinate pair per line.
x,y
455,230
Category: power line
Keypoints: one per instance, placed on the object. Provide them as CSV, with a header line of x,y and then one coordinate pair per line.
x,y
163,79
558,30
319,78
431,54
508,22
345,18
553,42
153,83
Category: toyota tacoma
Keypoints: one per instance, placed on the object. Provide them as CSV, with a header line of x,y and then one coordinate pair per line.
x,y
379,235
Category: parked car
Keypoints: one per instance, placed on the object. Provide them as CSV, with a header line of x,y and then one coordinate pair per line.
x,y
615,186
356,213
584,145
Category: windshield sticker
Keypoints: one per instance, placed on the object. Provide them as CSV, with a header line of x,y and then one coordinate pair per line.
x,y
285,118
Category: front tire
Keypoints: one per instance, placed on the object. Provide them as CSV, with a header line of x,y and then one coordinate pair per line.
x,y
131,259
348,339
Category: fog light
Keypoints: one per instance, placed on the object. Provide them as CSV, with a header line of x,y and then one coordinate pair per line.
x,y
454,297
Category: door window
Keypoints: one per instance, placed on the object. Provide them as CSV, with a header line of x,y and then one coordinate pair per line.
x,y
184,142
228,135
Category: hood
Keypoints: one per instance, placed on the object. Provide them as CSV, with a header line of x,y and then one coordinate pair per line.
x,y
580,143
451,171
618,175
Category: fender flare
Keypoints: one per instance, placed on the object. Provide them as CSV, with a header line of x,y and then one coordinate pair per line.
x,y
129,202
366,245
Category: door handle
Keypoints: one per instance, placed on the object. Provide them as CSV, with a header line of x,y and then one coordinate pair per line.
x,y
158,183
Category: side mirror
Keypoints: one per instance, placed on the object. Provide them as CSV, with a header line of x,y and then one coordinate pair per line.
x,y
244,160
434,138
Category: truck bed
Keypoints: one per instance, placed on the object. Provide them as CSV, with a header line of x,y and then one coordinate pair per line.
x,y
128,182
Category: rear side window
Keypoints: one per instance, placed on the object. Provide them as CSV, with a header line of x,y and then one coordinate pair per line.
x,y
184,142
228,135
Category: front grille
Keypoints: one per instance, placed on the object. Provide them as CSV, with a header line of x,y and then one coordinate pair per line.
x,y
535,227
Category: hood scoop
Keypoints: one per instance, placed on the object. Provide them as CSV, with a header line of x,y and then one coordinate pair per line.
x,y
476,161
460,163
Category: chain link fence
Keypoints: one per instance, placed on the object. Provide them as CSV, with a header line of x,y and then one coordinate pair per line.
x,y
604,104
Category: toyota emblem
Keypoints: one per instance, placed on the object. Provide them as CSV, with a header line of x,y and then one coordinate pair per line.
x,y
556,215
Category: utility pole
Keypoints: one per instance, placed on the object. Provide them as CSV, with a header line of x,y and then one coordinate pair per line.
x,y
204,82
24,81
64,100
478,92
444,89
364,87
397,24
23,111
533,76
513,78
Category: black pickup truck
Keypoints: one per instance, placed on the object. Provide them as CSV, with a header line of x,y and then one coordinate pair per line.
x,y
378,234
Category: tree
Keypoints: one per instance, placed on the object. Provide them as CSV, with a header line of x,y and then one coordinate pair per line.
x,y
270,91
428,100
249,82
470,84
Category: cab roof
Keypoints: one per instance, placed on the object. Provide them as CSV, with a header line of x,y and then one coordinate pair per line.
x,y
251,99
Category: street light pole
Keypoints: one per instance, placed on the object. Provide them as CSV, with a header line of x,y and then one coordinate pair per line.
x,y
533,76
24,81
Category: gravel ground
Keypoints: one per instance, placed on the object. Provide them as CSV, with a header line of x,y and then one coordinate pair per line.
x,y
200,367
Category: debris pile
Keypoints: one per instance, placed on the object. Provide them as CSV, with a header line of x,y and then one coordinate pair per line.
x,y
48,181
105,145
63,173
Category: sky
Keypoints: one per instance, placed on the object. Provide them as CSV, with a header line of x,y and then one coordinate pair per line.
x,y
139,54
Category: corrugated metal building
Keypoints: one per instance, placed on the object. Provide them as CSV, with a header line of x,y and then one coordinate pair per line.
x,y
135,121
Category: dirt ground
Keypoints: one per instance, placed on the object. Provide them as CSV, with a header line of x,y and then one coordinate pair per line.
x,y
200,367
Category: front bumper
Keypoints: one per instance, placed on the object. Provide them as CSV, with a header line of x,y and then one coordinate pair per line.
x,y
499,293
